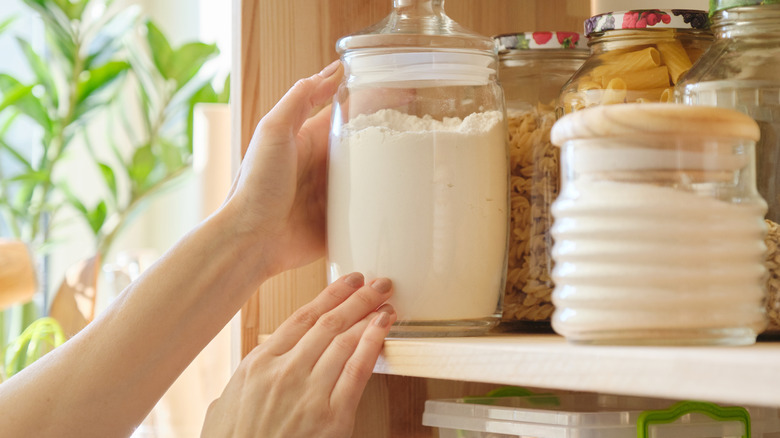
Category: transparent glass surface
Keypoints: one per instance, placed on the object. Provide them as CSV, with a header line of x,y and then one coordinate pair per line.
x,y
418,174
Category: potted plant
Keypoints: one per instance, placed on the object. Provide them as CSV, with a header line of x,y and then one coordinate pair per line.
x,y
101,65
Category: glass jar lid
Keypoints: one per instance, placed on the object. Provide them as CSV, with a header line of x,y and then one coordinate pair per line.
x,y
416,24
648,19
721,5
539,40
418,45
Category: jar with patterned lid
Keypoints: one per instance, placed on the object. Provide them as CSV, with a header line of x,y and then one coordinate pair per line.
x,y
636,56
533,66
742,71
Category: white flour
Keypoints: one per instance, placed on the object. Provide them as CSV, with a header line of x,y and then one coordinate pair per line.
x,y
424,203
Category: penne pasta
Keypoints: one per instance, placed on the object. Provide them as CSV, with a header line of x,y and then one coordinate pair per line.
x,y
632,61
657,77
667,96
589,85
674,56
615,92
649,95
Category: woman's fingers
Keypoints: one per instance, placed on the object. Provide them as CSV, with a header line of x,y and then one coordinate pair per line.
x,y
283,122
337,321
359,367
292,330
330,365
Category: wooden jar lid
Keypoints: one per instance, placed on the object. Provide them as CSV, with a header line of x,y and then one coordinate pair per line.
x,y
656,119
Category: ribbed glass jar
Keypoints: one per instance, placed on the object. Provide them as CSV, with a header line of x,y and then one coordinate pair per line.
x,y
659,230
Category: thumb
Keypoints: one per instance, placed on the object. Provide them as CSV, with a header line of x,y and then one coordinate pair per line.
x,y
286,118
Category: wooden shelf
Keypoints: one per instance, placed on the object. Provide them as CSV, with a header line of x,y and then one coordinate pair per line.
x,y
735,375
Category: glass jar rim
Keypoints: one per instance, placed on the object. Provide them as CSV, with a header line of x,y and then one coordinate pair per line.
x,y
723,5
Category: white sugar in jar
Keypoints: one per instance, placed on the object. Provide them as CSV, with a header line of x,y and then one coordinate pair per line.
x,y
658,227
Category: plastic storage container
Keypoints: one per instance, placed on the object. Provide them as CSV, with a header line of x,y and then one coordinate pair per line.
x,y
636,56
742,71
533,66
596,416
659,230
418,170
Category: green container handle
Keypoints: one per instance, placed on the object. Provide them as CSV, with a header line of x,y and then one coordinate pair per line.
x,y
666,416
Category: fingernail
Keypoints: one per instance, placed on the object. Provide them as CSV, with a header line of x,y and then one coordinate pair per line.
x,y
330,69
382,320
354,279
382,285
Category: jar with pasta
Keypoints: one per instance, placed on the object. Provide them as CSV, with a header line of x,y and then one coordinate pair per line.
x,y
636,56
740,72
533,66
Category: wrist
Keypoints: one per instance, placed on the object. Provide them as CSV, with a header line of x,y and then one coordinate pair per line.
x,y
246,246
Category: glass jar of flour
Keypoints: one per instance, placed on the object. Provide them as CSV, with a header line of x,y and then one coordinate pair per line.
x,y
418,170
659,228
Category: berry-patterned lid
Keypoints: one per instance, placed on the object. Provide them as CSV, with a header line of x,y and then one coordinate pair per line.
x,y
539,40
647,19
720,5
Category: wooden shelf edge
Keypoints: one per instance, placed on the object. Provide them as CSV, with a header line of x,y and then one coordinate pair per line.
x,y
734,375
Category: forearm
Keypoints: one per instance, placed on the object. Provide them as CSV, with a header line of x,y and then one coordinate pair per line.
x,y
106,379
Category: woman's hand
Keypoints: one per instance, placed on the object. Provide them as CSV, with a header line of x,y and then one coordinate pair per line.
x,y
306,380
279,195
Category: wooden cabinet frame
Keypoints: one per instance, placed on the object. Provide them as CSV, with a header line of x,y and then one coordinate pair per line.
x,y
276,42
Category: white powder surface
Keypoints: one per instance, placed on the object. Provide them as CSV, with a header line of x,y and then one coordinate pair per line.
x,y
424,203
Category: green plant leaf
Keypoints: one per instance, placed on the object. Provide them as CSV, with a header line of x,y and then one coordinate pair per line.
x,y
33,176
97,217
13,95
171,156
66,46
41,70
108,40
162,53
5,24
22,198
141,167
205,95
110,178
224,95
74,9
28,104
7,124
75,202
16,155
99,78
58,26
188,60
38,338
